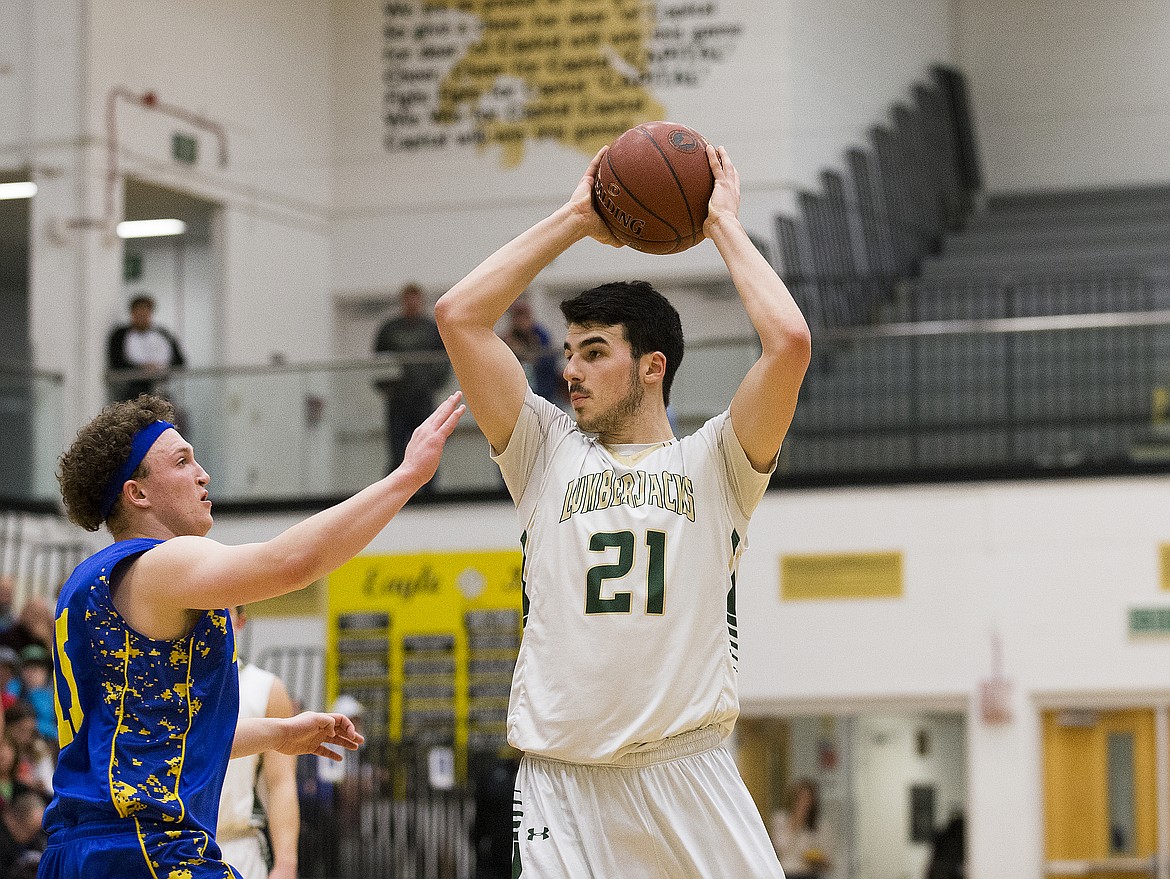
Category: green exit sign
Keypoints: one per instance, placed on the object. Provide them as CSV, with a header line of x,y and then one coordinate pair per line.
x,y
184,148
1149,620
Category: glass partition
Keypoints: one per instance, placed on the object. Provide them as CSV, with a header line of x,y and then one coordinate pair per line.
x,y
1119,764
283,433
31,436
938,400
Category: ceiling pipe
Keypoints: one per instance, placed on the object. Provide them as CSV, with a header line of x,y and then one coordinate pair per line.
x,y
148,100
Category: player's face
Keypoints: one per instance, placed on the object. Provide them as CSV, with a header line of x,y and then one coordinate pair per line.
x,y
177,486
602,375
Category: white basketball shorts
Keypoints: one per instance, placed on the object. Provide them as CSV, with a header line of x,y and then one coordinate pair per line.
x,y
677,812
246,854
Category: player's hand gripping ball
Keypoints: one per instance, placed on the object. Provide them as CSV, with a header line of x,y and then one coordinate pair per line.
x,y
653,187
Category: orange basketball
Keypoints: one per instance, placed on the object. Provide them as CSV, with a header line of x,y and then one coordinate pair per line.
x,y
653,187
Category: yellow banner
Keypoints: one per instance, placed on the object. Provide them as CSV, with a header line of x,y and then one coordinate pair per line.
x,y
841,576
426,642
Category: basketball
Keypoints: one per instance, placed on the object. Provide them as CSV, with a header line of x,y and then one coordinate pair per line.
x,y
653,187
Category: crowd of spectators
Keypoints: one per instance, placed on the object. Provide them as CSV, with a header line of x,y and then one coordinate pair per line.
x,y
28,734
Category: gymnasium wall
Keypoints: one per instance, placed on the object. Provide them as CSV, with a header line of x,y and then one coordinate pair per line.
x,y
1068,93
262,72
316,206
785,86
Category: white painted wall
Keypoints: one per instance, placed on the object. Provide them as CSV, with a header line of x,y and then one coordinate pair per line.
x,y
806,80
262,72
845,63
1069,93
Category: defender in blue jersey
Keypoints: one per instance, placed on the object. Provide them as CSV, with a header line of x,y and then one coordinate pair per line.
x,y
145,671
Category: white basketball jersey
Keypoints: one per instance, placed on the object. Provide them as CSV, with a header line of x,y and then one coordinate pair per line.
x,y
238,800
630,557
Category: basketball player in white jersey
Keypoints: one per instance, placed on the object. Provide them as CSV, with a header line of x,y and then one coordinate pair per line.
x,y
268,779
625,685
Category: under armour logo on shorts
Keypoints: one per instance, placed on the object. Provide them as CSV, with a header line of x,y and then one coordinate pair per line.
x,y
533,833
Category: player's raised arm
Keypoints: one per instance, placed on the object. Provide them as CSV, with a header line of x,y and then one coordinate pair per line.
x,y
491,377
192,572
765,402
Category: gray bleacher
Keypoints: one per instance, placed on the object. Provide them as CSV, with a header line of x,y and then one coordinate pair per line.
x,y
936,351
1068,233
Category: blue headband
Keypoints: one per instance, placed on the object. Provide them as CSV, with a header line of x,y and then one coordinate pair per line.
x,y
139,446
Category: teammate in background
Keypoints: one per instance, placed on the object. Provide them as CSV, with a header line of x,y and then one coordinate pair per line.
x,y
145,672
625,685
260,790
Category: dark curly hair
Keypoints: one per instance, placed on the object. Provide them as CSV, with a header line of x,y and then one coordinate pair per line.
x,y
101,447
649,321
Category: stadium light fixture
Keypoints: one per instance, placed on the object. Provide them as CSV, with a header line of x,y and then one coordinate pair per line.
x,y
150,228
25,189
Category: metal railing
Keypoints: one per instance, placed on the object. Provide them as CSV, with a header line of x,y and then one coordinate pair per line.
x,y
949,397
993,380
1007,379
384,813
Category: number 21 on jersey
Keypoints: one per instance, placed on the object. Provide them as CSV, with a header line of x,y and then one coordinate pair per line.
x,y
622,602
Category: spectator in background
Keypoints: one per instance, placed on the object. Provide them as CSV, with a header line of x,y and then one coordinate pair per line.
x,y
409,398
264,783
797,835
10,786
948,854
34,757
36,688
9,677
34,625
7,593
531,344
145,346
20,829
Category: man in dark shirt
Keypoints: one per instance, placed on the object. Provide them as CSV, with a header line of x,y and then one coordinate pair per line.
x,y
409,397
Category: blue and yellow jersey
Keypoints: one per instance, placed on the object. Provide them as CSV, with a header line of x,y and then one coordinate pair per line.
x,y
145,726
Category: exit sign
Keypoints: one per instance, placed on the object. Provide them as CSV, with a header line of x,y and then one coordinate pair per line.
x,y
184,148
1149,621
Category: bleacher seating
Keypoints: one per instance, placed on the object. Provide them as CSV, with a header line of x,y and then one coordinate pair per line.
x,y
1098,232
877,221
988,399
913,285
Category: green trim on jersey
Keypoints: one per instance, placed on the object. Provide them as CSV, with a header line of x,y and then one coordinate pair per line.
x,y
524,602
517,820
732,624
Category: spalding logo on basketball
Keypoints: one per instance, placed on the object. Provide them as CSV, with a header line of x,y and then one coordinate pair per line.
x,y
681,139
653,187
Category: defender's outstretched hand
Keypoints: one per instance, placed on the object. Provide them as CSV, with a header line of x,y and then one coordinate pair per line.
x,y
724,204
426,443
310,731
581,204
